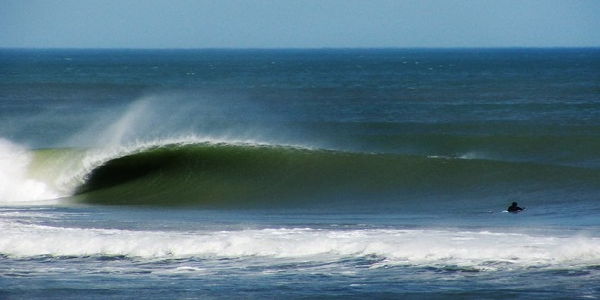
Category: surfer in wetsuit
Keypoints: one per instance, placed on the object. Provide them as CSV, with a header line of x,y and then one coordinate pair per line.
x,y
514,208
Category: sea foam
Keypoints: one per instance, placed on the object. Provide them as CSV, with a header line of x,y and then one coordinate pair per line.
x,y
484,250
15,182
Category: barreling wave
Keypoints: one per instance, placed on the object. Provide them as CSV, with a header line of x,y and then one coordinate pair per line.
x,y
246,175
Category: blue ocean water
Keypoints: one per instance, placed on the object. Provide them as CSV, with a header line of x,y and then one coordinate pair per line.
x,y
334,173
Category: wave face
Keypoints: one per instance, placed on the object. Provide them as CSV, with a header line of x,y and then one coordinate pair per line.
x,y
245,175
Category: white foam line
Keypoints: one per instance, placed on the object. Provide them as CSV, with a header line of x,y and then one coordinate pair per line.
x,y
483,250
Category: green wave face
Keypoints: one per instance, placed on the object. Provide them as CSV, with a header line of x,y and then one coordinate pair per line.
x,y
219,175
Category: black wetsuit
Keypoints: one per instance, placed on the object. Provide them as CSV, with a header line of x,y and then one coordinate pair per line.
x,y
514,208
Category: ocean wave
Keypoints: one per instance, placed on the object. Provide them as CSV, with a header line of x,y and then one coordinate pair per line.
x,y
45,174
243,175
246,173
483,250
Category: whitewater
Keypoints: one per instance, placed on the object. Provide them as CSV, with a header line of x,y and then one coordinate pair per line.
x,y
299,174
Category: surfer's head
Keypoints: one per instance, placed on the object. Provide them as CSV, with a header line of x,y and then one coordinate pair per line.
x,y
514,204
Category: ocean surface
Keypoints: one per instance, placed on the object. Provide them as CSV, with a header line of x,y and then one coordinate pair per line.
x,y
332,173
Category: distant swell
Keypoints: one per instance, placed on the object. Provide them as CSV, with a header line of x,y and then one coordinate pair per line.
x,y
250,175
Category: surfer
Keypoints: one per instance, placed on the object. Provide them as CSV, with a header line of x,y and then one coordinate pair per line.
x,y
514,208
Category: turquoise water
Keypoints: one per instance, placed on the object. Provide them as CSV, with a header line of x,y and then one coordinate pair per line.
x,y
299,173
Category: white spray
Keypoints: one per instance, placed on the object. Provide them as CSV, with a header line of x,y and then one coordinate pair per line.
x,y
27,175
15,183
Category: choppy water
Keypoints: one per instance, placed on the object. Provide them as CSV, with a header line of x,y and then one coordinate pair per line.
x,y
299,173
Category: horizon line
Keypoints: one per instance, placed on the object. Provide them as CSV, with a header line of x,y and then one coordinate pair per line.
x,y
303,48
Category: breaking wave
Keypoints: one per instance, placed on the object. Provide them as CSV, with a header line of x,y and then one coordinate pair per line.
x,y
408,247
195,171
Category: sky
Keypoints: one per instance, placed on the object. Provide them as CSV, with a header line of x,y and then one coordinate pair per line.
x,y
298,23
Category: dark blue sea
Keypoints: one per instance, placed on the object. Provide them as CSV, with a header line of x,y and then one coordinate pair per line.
x,y
331,173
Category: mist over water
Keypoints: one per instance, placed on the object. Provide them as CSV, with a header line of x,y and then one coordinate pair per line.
x,y
264,173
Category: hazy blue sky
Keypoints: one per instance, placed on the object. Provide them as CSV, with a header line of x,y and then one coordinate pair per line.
x,y
287,23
